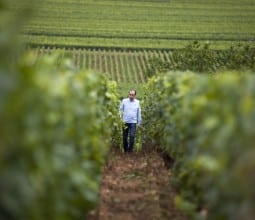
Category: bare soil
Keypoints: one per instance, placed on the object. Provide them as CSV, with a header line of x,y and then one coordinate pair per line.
x,y
136,186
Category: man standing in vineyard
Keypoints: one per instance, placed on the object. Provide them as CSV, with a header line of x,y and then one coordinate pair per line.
x,y
130,113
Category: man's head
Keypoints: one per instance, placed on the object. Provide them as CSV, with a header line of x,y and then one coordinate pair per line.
x,y
132,94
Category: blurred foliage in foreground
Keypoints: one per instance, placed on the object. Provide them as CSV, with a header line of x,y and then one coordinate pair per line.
x,y
207,124
55,132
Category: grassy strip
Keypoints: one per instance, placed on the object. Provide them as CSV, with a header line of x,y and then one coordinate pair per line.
x,y
118,43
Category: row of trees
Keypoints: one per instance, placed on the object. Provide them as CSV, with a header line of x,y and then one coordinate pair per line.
x,y
54,136
201,58
206,124
57,124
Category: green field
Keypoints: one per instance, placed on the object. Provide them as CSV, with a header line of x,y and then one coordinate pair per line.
x,y
119,37
139,24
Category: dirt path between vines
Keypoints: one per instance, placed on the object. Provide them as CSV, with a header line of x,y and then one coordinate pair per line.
x,y
136,186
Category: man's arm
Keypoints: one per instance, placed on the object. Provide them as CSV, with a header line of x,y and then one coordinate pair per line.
x,y
139,116
121,109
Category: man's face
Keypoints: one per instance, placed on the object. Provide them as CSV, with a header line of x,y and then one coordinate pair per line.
x,y
131,95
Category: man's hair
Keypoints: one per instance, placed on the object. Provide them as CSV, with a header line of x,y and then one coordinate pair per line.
x,y
132,90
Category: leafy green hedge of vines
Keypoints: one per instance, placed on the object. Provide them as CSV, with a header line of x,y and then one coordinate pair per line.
x,y
57,125
202,59
55,133
207,124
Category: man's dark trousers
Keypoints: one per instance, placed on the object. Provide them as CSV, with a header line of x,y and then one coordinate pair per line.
x,y
129,128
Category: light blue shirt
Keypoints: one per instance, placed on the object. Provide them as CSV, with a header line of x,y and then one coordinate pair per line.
x,y
130,111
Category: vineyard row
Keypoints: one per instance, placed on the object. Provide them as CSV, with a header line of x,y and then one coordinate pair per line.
x,y
121,66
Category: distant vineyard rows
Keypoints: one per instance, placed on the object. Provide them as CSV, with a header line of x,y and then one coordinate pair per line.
x,y
120,65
